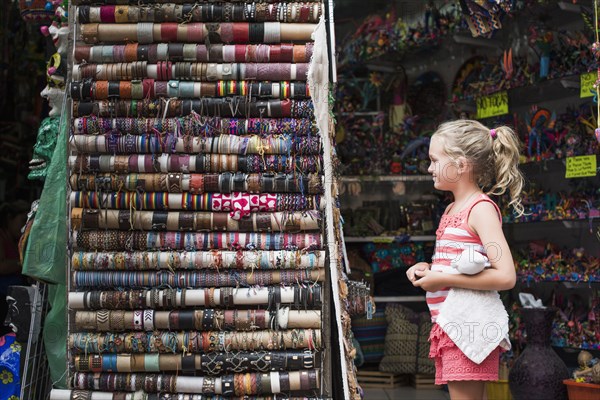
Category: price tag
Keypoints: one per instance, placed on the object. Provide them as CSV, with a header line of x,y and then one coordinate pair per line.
x,y
581,166
587,84
492,105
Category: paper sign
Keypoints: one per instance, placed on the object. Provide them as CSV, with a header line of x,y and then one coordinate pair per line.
x,y
587,84
581,166
492,105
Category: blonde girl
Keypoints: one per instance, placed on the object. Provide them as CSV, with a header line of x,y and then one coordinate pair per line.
x,y
471,161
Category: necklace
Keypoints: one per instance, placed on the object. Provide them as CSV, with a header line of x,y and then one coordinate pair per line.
x,y
463,203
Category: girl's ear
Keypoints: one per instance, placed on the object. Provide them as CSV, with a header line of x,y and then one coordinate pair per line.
x,y
463,164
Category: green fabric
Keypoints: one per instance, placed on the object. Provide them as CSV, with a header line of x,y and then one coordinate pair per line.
x,y
55,335
46,256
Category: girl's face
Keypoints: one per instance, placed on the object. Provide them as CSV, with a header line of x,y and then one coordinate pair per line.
x,y
442,167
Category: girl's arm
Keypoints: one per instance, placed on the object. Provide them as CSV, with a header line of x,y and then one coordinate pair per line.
x,y
500,276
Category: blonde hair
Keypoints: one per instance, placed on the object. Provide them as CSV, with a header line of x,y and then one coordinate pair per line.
x,y
474,141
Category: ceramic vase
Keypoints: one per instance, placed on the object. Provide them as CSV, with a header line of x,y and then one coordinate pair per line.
x,y
539,372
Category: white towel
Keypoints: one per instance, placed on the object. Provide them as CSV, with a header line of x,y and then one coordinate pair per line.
x,y
476,321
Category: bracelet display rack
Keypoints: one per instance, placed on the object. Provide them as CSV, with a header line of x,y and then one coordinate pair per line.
x,y
202,255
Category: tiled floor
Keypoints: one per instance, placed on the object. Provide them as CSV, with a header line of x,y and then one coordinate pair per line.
x,y
406,393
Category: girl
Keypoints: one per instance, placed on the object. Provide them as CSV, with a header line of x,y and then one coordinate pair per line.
x,y
466,158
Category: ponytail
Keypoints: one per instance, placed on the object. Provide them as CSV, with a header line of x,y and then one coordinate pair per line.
x,y
508,177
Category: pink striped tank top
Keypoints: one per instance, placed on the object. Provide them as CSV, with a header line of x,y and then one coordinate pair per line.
x,y
452,237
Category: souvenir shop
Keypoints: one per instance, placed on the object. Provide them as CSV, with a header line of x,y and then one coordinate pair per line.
x,y
226,195
405,67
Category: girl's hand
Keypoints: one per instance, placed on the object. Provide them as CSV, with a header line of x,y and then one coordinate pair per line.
x,y
410,273
431,281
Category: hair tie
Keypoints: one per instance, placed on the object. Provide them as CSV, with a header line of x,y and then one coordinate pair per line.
x,y
493,133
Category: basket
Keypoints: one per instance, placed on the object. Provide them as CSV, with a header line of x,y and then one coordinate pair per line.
x,y
582,391
406,349
498,390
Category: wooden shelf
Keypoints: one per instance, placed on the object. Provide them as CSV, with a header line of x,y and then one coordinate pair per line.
x,y
386,178
399,299
361,113
387,239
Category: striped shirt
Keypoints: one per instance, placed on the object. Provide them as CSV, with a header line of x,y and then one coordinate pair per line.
x,y
452,237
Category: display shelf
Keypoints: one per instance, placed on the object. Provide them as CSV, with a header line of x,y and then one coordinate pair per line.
x,y
399,299
361,114
560,88
385,178
388,239
566,283
566,223
558,346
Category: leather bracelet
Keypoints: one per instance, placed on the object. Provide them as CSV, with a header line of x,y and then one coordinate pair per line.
x,y
279,185
212,31
75,90
267,183
96,363
186,320
161,88
186,221
227,297
122,14
175,320
225,182
227,386
313,379
239,182
174,180
203,221
159,220
142,52
148,320
124,220
89,219
254,183
113,89
82,53
263,383
207,318
195,33
168,32
263,222
219,221
89,32
84,15
284,380
153,53
279,361
208,385
125,89
211,182
131,52
173,89
188,363
145,34
229,320
304,381
101,90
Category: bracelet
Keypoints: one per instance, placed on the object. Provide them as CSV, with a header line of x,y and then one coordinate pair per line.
x,y
145,33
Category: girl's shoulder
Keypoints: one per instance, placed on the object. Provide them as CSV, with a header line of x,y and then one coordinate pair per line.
x,y
485,201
